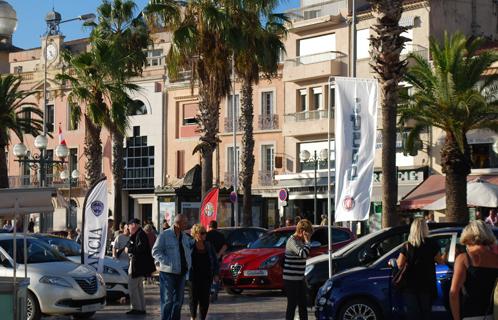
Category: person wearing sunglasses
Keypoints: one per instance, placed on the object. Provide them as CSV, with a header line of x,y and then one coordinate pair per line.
x,y
205,268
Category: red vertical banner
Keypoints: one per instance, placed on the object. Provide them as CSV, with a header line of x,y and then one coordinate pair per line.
x,y
209,207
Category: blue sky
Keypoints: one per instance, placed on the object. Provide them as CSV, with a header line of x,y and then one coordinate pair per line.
x,y
31,17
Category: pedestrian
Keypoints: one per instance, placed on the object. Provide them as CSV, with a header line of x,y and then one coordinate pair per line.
x,y
420,253
324,221
297,249
31,226
78,236
118,249
71,234
478,215
289,222
141,266
120,231
173,251
165,224
217,240
492,219
205,269
475,274
110,235
429,217
151,235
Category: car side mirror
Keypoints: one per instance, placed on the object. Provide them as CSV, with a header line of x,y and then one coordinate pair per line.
x,y
315,244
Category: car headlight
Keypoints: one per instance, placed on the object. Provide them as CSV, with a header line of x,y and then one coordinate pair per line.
x,y
270,262
309,268
111,271
56,281
101,279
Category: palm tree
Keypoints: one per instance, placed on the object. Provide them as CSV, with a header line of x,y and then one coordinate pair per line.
x,y
257,52
200,44
387,44
454,96
15,117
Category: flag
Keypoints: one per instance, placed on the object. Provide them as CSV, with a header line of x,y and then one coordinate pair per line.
x,y
61,136
355,130
94,238
209,207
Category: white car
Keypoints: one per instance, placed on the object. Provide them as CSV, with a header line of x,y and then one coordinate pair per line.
x,y
57,286
115,272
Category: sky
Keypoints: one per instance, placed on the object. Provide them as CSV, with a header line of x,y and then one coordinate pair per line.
x,y
31,18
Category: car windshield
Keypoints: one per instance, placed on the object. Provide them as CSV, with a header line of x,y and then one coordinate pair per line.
x,y
272,240
38,251
65,246
358,242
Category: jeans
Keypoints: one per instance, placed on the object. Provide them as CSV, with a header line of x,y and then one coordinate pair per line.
x,y
418,306
296,296
171,290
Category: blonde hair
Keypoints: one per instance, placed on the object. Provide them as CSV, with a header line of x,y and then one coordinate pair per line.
x,y
197,229
477,233
304,225
418,232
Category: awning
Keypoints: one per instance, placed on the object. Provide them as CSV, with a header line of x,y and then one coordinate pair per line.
x,y
432,189
407,21
26,201
403,190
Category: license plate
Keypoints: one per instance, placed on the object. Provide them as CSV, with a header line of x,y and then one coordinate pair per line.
x,y
91,307
256,273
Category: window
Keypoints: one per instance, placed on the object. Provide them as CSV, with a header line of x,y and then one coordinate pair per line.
x,y
154,57
303,100
139,163
267,158
73,159
230,164
190,114
70,124
363,44
180,163
17,69
317,49
50,118
409,44
230,110
317,147
267,103
136,131
137,108
483,156
26,114
317,99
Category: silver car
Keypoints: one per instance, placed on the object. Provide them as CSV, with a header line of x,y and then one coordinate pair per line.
x,y
57,286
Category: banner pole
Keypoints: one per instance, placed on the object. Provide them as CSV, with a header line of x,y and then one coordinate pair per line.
x,y
329,180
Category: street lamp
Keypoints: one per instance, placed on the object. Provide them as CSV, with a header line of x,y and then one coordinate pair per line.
x,y
75,174
306,157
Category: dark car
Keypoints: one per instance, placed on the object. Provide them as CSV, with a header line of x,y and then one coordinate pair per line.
x,y
365,292
358,253
239,238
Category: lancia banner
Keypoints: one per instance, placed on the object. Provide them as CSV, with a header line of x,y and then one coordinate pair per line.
x,y
94,237
209,207
355,129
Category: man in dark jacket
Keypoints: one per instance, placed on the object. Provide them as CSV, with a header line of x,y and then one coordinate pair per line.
x,y
141,266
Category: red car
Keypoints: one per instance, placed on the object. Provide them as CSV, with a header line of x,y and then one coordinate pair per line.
x,y
260,265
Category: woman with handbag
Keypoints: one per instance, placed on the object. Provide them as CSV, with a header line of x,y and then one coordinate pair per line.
x,y
417,261
475,274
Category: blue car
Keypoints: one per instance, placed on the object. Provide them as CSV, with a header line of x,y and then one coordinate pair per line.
x,y
366,293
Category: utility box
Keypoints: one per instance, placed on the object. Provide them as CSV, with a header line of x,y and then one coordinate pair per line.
x,y
13,298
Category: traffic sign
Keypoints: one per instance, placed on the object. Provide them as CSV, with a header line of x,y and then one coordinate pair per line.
x,y
283,194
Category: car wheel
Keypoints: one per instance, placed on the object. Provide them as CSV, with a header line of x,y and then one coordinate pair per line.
x,y
33,311
83,315
359,309
233,290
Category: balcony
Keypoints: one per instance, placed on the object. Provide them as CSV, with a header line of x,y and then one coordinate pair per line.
x,y
325,64
266,178
268,122
326,13
228,124
32,181
306,123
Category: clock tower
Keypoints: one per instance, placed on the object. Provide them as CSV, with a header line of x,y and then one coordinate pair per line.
x,y
53,40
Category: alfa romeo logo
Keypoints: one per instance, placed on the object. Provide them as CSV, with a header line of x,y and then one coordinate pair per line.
x,y
97,208
209,209
348,203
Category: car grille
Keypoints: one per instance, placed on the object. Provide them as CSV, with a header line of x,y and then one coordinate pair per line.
x,y
89,285
235,270
78,303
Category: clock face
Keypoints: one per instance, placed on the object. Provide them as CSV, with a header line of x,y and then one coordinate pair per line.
x,y
51,52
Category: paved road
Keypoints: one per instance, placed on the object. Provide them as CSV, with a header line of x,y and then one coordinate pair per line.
x,y
251,305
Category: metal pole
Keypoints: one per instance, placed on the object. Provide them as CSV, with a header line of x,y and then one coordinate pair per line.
x,y
353,38
234,133
69,212
45,86
42,168
315,160
329,181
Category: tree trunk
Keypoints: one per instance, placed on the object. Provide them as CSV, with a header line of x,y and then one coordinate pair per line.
x,y
93,152
247,170
4,174
117,175
387,44
457,166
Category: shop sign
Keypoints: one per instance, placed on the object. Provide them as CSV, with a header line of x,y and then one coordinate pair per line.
x,y
405,176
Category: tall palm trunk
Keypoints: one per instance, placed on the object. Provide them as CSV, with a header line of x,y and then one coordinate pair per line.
x,y
93,151
387,44
117,176
247,169
4,175
456,166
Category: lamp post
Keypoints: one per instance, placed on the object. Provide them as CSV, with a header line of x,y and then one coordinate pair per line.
x,y
306,157
75,174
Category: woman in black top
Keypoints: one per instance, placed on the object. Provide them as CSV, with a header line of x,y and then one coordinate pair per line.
x,y
475,275
421,253
204,267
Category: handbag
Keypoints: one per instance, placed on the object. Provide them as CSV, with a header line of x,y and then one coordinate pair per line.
x,y
400,278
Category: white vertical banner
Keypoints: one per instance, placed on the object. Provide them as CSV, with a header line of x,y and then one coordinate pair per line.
x,y
95,226
355,130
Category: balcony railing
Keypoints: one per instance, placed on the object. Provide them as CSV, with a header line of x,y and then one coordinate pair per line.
x,y
268,122
32,181
307,116
315,58
326,8
266,177
228,124
417,49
